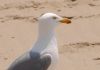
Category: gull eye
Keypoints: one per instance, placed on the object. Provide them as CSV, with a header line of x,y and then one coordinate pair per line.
x,y
54,17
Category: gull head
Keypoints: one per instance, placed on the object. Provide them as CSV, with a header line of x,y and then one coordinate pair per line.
x,y
53,19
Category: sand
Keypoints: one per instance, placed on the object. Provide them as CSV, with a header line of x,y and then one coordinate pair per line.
x,y
79,42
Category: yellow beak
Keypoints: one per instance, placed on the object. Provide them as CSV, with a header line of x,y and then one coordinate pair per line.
x,y
65,20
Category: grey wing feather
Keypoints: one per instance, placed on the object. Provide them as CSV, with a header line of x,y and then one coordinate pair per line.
x,y
28,62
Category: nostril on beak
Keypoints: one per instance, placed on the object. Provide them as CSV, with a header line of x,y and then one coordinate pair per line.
x,y
68,17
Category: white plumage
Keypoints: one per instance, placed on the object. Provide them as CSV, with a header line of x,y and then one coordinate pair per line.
x,y
44,54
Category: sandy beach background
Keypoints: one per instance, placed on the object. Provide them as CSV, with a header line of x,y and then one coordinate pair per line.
x,y
79,42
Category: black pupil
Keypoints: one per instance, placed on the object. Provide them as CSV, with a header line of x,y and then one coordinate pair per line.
x,y
54,17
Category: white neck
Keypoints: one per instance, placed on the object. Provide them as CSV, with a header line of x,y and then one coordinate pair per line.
x,y
46,39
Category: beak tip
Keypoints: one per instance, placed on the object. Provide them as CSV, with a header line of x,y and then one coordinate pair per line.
x,y
65,20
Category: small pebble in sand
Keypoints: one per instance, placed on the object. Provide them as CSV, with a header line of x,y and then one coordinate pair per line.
x,y
5,58
96,58
35,19
73,0
58,10
2,21
91,4
13,37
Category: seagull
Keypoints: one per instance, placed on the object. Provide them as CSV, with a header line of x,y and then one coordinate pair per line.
x,y
44,54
